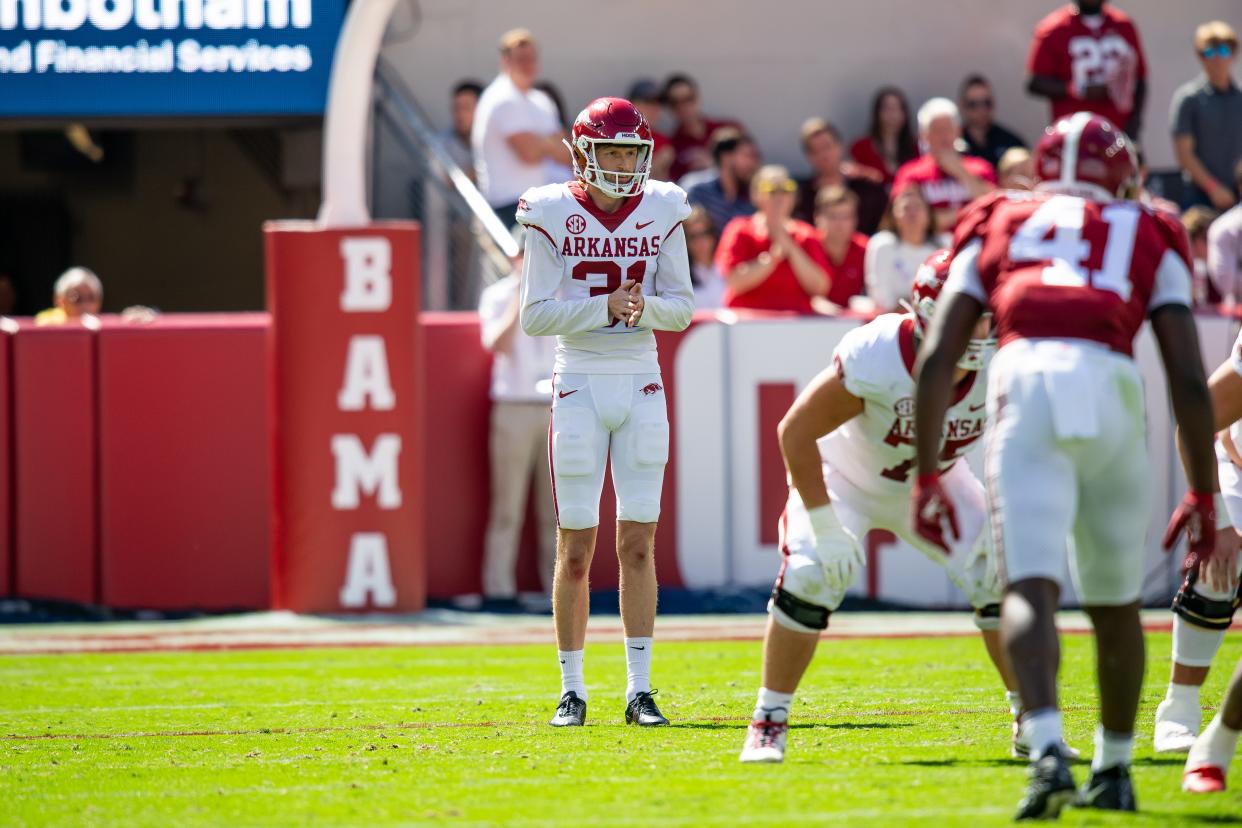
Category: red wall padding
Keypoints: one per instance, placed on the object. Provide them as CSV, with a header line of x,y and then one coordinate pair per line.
x,y
6,458
56,467
184,466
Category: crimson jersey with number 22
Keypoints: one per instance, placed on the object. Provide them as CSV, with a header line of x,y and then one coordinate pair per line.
x,y
1060,266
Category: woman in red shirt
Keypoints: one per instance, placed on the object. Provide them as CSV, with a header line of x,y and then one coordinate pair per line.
x,y
771,261
889,141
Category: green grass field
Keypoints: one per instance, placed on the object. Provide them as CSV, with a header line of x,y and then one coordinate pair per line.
x,y
887,732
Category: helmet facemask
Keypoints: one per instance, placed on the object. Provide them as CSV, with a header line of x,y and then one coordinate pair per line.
x,y
978,351
610,183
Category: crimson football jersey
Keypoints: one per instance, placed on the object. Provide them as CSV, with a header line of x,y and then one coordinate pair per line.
x,y
1068,48
1061,266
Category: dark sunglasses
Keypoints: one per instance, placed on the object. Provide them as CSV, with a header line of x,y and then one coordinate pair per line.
x,y
1219,50
980,103
682,99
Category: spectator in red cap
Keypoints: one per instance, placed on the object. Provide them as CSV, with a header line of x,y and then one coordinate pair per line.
x,y
772,261
889,141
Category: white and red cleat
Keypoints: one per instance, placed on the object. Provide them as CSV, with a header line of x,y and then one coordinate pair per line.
x,y
765,741
1203,779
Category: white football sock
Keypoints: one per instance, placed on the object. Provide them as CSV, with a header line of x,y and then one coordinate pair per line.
x,y
1042,729
1183,695
1215,746
571,672
1194,646
772,706
1111,749
637,667
1015,702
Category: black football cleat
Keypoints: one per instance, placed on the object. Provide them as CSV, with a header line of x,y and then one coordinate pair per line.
x,y
571,712
1049,789
1109,790
643,711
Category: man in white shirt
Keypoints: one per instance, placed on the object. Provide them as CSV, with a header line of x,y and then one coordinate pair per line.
x,y
605,267
516,128
518,443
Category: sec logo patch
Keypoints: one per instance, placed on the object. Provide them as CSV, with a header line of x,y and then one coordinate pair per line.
x,y
904,407
575,223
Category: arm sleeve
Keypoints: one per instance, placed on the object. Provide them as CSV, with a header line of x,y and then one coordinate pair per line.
x,y
1222,258
543,314
672,305
1044,57
1140,71
1181,115
854,368
964,273
1172,285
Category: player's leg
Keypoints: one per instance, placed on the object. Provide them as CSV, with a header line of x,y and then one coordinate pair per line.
x,y
797,613
1209,758
508,453
639,454
1107,563
1032,500
1201,615
578,451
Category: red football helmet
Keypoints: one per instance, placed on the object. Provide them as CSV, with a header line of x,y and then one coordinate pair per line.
x,y
611,121
929,280
1086,155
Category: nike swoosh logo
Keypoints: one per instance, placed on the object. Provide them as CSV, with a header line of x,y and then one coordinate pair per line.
x,y
562,661
638,648
644,224
977,407
565,394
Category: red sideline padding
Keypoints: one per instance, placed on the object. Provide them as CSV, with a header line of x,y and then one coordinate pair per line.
x,y
56,468
7,579
184,467
345,417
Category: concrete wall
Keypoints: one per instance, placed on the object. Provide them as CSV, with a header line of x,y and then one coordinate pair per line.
x,y
774,63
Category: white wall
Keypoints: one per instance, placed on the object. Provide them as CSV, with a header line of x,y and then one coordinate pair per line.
x,y
772,64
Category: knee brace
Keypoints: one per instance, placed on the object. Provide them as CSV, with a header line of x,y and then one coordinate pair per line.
x,y
801,600
1203,607
987,617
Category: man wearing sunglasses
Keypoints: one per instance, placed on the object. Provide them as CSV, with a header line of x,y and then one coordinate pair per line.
x,y
1206,120
984,137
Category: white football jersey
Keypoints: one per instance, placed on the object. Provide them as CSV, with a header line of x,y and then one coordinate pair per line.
x,y
875,451
576,255
1235,359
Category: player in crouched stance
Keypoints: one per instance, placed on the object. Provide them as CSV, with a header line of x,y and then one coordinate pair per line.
x,y
1204,608
605,267
1070,272
857,478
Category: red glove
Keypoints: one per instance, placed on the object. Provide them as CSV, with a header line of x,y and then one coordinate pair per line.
x,y
1197,514
932,508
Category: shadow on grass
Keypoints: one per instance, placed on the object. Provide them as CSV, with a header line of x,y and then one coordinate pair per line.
x,y
1159,761
796,726
999,762
1176,817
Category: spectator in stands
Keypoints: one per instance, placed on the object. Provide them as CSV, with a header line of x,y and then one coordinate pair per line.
x,y
456,138
518,441
77,293
948,179
725,191
821,143
1016,169
693,137
517,132
556,170
1224,253
1196,221
1087,56
984,137
845,249
895,253
1206,120
709,285
889,141
770,260
645,94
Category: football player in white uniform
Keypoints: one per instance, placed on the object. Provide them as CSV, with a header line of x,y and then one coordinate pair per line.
x,y
848,443
605,267
1204,609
